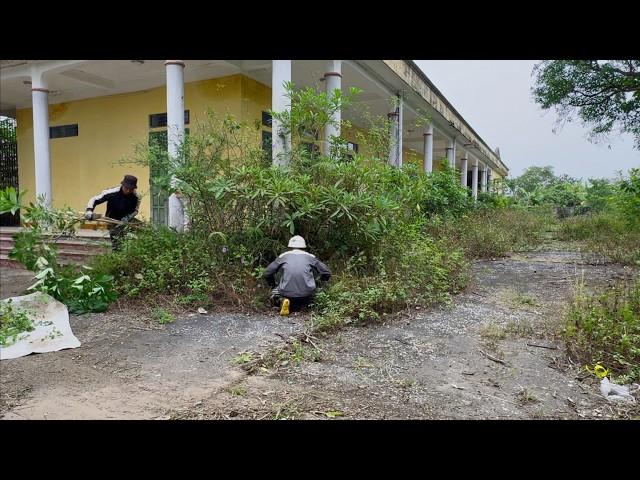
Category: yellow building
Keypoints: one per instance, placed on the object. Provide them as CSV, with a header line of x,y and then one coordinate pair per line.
x,y
78,120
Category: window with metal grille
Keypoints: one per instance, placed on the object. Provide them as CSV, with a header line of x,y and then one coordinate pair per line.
x,y
159,197
157,120
63,131
266,119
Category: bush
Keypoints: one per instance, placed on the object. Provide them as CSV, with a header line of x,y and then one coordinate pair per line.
x,y
486,232
627,199
13,322
605,328
35,248
412,269
606,235
243,210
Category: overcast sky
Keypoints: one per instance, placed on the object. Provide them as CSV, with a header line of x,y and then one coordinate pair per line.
x,y
494,97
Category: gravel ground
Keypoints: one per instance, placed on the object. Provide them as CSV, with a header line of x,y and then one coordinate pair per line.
x,y
451,362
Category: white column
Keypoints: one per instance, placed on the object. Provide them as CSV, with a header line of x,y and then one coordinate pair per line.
x,y
451,152
393,139
484,179
463,170
175,135
400,127
333,79
428,149
42,155
280,74
474,179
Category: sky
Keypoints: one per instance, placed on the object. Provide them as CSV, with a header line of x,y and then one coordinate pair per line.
x,y
494,97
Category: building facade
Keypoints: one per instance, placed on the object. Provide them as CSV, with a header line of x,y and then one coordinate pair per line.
x,y
78,121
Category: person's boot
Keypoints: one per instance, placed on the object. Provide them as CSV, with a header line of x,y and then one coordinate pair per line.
x,y
284,308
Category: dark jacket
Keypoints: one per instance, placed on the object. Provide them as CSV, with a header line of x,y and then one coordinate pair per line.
x,y
297,273
119,205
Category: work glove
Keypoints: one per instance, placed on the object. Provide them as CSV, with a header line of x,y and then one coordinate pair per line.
x,y
88,215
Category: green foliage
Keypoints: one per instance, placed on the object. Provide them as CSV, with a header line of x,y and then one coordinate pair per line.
x,y
599,194
493,200
489,232
605,328
162,316
310,113
13,322
35,248
10,200
79,291
627,199
411,268
243,210
603,94
605,234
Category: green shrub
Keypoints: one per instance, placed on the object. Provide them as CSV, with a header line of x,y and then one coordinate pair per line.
x,y
412,269
488,232
605,235
35,248
162,316
13,322
605,328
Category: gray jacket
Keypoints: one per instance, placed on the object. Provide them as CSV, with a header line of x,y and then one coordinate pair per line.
x,y
297,273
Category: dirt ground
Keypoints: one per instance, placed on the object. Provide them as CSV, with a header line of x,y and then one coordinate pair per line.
x,y
489,354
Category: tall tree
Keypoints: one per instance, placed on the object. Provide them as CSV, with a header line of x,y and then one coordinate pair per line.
x,y
604,94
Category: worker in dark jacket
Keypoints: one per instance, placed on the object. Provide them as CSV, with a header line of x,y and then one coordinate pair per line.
x,y
297,283
122,204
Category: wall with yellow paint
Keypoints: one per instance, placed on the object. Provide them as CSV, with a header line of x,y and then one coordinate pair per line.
x,y
108,129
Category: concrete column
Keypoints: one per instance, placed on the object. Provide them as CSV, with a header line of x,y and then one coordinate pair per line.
x,y
280,74
175,135
484,179
333,79
393,139
474,179
42,155
400,127
463,170
428,149
451,152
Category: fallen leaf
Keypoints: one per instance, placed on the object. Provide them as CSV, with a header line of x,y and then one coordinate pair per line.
x,y
334,414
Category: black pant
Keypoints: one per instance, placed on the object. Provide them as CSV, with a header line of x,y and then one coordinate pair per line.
x,y
117,234
295,303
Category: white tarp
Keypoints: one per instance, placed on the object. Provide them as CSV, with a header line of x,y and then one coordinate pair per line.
x,y
52,330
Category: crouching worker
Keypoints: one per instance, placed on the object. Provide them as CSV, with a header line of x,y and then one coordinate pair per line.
x,y
122,204
297,283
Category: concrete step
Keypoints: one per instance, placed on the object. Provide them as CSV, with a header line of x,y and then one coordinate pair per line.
x,y
74,250
63,259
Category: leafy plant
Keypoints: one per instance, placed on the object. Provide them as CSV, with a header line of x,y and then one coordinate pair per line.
x,y
162,316
13,322
80,293
604,328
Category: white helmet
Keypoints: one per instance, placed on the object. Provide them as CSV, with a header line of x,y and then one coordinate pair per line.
x,y
297,242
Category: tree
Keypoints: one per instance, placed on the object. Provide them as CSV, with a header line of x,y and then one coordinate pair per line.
x,y
604,94
533,178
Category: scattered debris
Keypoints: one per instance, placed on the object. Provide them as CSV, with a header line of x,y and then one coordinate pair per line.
x,y
201,310
541,346
614,392
491,357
